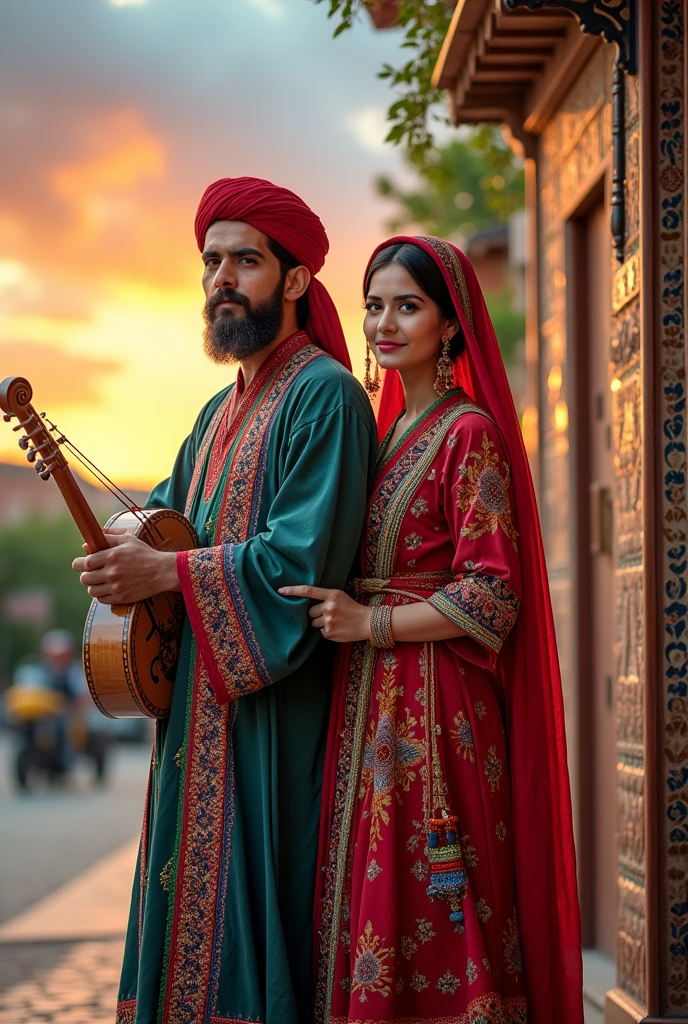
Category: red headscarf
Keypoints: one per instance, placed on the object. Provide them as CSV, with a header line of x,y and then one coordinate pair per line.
x,y
548,911
284,217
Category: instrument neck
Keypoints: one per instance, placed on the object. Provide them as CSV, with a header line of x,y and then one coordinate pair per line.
x,y
86,522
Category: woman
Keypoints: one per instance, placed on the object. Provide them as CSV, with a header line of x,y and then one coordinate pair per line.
x,y
447,889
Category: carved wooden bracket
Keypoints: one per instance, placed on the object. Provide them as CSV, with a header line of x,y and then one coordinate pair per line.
x,y
614,19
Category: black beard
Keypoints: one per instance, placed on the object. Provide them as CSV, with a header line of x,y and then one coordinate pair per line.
x,y
228,338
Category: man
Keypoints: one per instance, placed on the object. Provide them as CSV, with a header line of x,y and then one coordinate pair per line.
x,y
274,477
61,672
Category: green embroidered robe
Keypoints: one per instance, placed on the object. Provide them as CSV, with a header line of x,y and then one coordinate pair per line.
x,y
275,482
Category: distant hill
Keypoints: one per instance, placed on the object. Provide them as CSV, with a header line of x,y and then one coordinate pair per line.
x,y
23,493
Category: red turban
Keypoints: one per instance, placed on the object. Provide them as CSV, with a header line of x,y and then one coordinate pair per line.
x,y
282,216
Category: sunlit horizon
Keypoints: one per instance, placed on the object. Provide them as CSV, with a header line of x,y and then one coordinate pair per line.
x,y
110,133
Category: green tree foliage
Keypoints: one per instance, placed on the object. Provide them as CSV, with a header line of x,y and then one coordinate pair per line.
x,y
472,183
509,324
39,553
425,24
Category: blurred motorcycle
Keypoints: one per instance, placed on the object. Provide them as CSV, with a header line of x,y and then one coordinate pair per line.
x,y
53,718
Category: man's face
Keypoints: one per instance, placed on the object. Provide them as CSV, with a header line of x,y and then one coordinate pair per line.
x,y
244,288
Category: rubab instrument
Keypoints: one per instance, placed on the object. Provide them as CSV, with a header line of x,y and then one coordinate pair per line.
x,y
130,651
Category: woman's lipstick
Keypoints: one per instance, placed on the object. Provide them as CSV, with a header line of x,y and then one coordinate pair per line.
x,y
389,346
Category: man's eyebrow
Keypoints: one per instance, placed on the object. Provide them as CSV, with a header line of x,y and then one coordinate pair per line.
x,y
246,251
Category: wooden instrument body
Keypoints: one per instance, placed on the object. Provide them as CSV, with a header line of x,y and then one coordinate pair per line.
x,y
131,651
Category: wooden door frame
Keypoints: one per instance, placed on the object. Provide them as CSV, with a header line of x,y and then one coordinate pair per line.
x,y
579,407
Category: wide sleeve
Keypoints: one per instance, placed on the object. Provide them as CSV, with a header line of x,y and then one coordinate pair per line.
x,y
250,636
478,501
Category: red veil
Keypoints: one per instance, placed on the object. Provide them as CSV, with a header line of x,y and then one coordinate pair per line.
x,y
546,888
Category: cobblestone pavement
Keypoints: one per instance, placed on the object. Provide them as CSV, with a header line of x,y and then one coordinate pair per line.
x,y
59,983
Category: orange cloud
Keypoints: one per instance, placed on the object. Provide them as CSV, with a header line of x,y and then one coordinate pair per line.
x,y
100,189
58,377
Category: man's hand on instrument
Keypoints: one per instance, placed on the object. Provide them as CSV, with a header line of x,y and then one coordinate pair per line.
x,y
336,615
129,570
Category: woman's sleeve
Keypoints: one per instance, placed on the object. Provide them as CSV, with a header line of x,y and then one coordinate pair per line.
x,y
478,502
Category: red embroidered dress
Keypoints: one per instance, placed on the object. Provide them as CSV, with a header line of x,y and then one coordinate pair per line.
x,y
482,492
439,526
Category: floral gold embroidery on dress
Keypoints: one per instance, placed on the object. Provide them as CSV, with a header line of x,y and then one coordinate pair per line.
x,y
373,967
418,982
448,983
493,768
486,493
373,870
483,910
463,734
513,958
392,751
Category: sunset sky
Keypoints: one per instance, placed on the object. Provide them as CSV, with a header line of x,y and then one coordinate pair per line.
x,y
114,116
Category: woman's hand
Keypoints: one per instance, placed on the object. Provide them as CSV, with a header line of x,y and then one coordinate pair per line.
x,y
337,616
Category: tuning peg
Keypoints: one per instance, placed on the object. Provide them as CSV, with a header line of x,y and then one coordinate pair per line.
x,y
42,415
7,417
31,455
23,443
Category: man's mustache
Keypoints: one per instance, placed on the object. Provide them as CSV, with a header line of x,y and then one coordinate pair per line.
x,y
226,295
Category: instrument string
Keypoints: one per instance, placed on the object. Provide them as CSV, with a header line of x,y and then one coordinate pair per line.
x,y
116,491
128,504
105,481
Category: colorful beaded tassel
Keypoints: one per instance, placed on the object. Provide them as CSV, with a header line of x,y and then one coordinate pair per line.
x,y
448,878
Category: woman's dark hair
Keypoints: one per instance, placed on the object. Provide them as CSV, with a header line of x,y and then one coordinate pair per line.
x,y
287,262
427,276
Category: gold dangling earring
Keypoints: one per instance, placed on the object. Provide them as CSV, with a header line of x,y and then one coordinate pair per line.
x,y
371,384
445,376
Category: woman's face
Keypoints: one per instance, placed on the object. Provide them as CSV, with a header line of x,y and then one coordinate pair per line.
x,y
402,325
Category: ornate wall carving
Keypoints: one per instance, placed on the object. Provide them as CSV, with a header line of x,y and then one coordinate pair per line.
x,y
574,146
671,330
629,650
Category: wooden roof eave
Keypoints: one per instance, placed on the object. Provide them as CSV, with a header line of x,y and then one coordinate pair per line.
x,y
510,67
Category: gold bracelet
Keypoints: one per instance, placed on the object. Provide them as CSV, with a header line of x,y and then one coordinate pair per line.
x,y
381,634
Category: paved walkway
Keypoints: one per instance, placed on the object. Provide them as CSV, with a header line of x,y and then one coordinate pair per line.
x,y
60,960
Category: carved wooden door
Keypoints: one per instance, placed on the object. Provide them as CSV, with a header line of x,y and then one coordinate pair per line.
x,y
600,699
